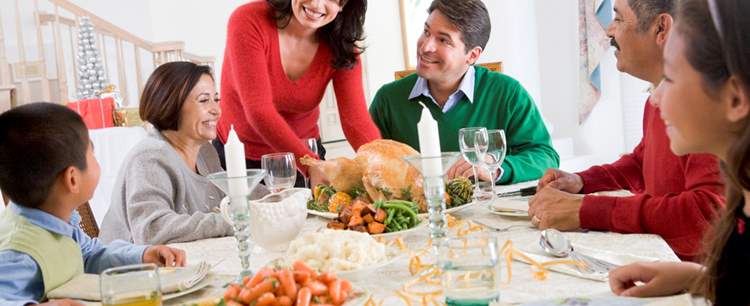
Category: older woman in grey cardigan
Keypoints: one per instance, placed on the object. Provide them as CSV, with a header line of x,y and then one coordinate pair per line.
x,y
161,194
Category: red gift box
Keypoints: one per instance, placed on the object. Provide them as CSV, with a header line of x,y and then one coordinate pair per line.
x,y
96,113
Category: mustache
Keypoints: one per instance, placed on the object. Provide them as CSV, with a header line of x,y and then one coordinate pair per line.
x,y
613,43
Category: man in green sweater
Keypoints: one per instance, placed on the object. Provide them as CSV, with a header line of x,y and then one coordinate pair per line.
x,y
460,95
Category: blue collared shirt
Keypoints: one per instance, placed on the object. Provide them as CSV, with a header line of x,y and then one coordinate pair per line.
x,y
465,89
20,277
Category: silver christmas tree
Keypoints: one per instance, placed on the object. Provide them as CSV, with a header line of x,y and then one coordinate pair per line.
x,y
91,77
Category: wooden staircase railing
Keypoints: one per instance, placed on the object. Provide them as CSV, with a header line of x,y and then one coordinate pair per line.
x,y
127,58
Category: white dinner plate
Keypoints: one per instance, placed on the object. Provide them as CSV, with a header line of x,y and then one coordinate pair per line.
x,y
454,209
322,214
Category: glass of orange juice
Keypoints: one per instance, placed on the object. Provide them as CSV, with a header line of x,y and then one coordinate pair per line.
x,y
133,285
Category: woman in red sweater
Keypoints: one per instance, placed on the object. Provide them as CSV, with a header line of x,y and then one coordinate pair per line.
x,y
280,56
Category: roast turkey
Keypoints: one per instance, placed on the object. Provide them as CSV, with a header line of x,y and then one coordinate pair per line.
x,y
379,168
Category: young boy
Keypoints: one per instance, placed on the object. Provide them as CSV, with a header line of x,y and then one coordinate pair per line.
x,y
47,170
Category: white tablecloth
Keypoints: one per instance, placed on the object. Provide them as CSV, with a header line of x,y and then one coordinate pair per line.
x,y
522,288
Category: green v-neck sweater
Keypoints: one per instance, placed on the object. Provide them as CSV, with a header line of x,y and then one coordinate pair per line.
x,y
500,102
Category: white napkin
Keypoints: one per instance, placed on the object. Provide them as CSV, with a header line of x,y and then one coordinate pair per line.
x,y
86,286
512,204
535,253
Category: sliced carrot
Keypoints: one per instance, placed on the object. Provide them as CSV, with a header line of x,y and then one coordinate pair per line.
x,y
245,296
301,276
346,286
233,291
266,299
304,297
233,303
268,285
258,277
317,288
334,290
284,301
287,282
327,277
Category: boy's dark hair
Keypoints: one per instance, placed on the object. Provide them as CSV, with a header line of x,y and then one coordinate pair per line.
x,y
470,17
38,141
647,10
166,91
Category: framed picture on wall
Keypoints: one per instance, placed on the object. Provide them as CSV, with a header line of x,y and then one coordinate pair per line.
x,y
413,16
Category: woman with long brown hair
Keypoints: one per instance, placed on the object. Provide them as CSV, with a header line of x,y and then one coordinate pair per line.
x,y
705,103
280,57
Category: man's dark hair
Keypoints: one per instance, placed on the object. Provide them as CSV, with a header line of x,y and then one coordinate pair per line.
x,y
647,10
470,17
166,91
39,141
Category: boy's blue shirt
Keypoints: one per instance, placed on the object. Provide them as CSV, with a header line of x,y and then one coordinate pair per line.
x,y
20,277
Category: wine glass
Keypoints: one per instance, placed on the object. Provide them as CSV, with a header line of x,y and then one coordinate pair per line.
x,y
494,147
467,143
312,144
131,285
281,170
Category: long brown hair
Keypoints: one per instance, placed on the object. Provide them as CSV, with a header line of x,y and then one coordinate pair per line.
x,y
719,48
343,35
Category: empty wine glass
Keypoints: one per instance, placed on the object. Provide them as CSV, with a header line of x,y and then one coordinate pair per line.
x,y
467,143
312,144
281,170
494,147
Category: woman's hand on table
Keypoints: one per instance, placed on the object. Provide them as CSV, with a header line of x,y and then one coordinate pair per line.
x,y
561,180
659,278
65,302
164,256
552,208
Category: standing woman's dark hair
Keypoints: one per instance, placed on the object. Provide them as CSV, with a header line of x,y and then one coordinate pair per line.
x,y
342,35
718,33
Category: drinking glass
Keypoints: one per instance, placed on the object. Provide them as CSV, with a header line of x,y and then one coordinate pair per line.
x,y
312,144
494,146
471,273
281,170
134,285
471,153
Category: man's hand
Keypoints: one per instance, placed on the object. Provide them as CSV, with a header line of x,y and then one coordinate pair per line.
x,y
658,278
65,302
463,168
552,208
164,256
561,180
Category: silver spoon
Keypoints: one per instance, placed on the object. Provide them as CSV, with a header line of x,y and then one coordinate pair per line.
x,y
554,243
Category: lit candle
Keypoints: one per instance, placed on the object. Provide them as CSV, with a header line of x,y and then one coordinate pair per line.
x,y
234,153
429,144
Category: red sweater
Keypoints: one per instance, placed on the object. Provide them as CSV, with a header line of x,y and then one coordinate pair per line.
x,y
272,113
676,197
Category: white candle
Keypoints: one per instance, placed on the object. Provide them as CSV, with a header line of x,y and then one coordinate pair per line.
x,y
429,144
234,153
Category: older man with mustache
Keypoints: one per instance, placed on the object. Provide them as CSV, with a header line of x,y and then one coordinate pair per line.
x,y
675,197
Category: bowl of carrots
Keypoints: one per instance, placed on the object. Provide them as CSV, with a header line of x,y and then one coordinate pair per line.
x,y
298,285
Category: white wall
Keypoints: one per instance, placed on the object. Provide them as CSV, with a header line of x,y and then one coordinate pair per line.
x,y
201,24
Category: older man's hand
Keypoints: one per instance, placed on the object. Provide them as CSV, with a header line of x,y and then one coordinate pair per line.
x,y
552,208
561,180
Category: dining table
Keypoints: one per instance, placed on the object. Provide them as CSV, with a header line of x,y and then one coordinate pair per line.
x,y
385,285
